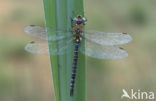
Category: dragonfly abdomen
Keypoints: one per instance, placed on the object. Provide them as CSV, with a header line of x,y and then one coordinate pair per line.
x,y
74,70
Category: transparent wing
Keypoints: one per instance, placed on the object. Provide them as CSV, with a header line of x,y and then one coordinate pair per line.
x,y
37,47
41,47
36,31
107,39
103,52
40,32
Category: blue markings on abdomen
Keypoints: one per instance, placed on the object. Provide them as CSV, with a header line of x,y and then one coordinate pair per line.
x,y
76,44
74,68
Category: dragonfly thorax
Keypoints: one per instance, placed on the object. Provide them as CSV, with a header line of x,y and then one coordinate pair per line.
x,y
78,29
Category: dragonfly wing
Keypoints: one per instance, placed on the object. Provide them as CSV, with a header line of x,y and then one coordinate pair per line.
x,y
107,39
40,32
36,31
41,47
37,47
103,52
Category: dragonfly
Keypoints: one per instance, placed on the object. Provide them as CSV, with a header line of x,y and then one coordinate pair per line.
x,y
98,44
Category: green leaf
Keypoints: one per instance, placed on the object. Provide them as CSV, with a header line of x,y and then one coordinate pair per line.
x,y
58,14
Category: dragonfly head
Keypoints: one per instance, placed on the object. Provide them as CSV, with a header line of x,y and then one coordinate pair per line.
x,y
79,20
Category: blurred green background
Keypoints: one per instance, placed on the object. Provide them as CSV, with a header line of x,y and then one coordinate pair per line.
x,y
27,77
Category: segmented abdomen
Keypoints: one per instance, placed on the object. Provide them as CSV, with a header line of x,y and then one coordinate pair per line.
x,y
74,70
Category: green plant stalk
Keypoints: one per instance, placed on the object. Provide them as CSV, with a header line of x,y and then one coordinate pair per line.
x,y
58,14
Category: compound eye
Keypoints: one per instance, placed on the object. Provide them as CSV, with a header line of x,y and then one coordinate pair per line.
x,y
83,19
75,20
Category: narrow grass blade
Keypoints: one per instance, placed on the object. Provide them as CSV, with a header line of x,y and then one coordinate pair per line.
x,y
58,14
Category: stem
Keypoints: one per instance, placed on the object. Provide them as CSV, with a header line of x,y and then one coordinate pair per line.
x,y
58,14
